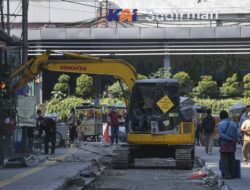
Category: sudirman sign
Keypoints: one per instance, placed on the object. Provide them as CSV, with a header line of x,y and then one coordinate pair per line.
x,y
176,15
130,15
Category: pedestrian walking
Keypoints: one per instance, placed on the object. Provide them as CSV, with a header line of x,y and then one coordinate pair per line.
x,y
243,117
208,124
245,128
113,120
198,129
72,124
50,135
228,140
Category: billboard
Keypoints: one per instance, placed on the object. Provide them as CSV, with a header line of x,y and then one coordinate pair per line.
x,y
26,111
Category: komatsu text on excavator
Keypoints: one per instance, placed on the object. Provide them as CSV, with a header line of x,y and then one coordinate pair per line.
x,y
154,123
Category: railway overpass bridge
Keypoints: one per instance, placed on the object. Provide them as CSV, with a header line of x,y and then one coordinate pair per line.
x,y
216,51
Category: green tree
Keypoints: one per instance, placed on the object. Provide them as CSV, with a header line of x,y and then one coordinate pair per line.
x,y
64,78
246,81
230,88
207,88
84,86
61,88
186,84
115,91
161,73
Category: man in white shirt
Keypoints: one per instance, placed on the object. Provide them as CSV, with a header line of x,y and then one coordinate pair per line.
x,y
245,128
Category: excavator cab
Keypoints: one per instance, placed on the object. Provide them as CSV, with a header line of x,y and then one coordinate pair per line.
x,y
154,107
156,127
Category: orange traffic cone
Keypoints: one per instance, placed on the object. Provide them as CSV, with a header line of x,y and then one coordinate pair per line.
x,y
106,135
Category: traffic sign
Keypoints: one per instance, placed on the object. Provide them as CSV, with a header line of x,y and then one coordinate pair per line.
x,y
165,104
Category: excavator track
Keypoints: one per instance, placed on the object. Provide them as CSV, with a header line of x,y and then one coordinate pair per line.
x,y
121,158
184,158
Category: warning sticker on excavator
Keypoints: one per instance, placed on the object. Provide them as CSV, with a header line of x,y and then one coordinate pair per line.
x,y
165,104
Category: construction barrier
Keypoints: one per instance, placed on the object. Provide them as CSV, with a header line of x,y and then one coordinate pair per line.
x,y
106,135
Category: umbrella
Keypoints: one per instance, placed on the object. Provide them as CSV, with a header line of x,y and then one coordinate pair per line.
x,y
237,106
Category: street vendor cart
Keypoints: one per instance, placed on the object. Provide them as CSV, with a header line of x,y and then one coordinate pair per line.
x,y
90,117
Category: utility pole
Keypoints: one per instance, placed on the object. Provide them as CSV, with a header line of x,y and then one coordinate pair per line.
x,y
8,18
25,59
25,32
8,30
2,17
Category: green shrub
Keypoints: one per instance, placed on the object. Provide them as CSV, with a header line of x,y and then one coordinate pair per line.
x,y
161,73
62,108
115,91
223,104
246,81
84,86
111,101
141,77
64,78
207,88
185,82
58,95
61,89
230,88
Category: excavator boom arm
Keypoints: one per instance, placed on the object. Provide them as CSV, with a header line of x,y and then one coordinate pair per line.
x,y
111,67
80,64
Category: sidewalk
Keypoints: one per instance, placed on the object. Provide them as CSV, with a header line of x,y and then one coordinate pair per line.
x,y
54,172
212,161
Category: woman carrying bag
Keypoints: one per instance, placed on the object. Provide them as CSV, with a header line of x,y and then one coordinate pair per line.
x,y
228,139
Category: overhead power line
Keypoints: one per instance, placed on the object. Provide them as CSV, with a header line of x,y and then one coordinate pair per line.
x,y
18,9
83,4
63,9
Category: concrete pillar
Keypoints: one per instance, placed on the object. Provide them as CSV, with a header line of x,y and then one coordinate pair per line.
x,y
166,61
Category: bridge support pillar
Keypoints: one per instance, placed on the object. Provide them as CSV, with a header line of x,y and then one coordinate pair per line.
x,y
166,62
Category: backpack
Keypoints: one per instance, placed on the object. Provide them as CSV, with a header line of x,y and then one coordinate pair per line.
x,y
50,125
208,125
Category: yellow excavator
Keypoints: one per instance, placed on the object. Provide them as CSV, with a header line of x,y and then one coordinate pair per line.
x,y
155,125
